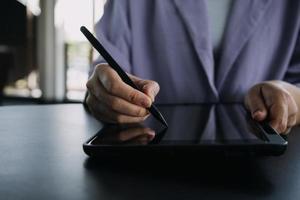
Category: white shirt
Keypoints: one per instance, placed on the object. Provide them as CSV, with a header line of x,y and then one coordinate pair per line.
x,y
218,13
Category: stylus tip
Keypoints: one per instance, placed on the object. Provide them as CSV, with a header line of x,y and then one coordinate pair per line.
x,y
155,112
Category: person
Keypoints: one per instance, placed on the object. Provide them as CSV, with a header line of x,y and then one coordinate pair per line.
x,y
198,51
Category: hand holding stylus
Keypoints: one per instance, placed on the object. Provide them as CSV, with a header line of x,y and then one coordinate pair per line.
x,y
111,100
132,87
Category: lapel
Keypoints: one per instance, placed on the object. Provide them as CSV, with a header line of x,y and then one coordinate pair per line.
x,y
244,18
194,16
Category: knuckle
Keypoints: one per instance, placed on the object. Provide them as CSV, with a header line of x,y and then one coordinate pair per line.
x,y
102,70
112,87
99,68
133,96
140,112
115,103
88,99
96,92
89,84
282,126
119,119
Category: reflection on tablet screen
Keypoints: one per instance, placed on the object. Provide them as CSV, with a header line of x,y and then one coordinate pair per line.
x,y
192,124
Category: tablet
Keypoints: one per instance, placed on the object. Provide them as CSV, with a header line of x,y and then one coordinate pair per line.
x,y
194,130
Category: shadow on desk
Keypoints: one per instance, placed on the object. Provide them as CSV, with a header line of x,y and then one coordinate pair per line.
x,y
181,179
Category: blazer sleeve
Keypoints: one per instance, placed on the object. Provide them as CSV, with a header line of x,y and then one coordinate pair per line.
x,y
293,73
114,32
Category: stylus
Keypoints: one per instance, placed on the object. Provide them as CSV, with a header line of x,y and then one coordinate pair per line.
x,y
109,59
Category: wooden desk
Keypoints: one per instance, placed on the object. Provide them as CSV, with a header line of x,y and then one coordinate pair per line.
x,y
42,158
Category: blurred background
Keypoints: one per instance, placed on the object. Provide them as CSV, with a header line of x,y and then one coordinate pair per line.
x,y
43,56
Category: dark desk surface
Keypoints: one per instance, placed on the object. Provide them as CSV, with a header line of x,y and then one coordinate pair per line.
x,y
42,158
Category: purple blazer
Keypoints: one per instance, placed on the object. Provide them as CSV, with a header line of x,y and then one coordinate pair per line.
x,y
169,41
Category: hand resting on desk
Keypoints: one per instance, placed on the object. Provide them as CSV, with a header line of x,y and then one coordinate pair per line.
x,y
275,101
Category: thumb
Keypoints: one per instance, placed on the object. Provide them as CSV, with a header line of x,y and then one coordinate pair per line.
x,y
149,87
255,103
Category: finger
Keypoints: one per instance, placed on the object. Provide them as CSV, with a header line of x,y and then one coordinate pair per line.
x,y
277,103
151,88
103,113
93,86
106,115
255,103
96,111
292,121
293,107
88,101
115,103
115,86
287,131
278,117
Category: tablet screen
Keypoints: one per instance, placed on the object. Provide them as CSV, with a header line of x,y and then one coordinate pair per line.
x,y
188,124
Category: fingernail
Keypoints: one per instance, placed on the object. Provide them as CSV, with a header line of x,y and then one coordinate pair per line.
x,y
152,133
150,137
